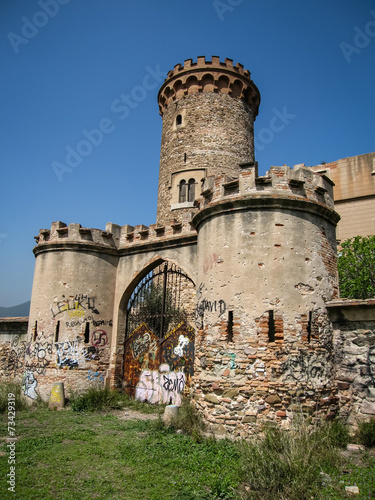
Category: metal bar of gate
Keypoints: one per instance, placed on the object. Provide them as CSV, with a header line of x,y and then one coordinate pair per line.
x,y
165,276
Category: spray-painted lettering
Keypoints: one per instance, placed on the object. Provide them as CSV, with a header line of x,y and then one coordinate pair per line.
x,y
80,302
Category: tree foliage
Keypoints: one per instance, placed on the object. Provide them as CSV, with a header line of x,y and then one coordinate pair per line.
x,y
149,309
356,266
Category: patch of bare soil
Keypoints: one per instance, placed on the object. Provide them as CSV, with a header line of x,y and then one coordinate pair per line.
x,y
128,414
357,457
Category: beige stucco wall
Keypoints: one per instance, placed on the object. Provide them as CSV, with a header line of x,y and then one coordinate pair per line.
x,y
354,194
70,322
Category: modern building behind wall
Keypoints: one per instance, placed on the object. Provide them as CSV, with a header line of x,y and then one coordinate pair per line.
x,y
354,194
231,296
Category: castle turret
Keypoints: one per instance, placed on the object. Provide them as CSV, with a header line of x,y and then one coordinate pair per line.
x,y
208,110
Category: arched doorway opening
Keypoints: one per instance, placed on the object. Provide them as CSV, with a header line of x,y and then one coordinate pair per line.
x,y
159,336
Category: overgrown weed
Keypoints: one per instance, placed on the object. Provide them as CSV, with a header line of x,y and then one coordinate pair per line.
x,y
15,389
189,420
366,433
287,464
100,399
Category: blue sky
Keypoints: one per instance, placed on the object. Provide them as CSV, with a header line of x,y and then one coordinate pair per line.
x,y
66,62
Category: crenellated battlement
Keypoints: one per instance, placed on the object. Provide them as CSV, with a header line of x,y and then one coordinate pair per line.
x,y
214,62
114,236
209,75
297,183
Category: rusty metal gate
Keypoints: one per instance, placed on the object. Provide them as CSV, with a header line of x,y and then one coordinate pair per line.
x,y
159,341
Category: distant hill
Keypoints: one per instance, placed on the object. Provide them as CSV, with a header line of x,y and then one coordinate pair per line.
x,y
14,311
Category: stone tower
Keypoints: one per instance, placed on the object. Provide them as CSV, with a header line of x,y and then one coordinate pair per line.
x,y
208,110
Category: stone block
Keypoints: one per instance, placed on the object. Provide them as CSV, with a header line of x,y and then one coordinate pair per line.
x,y
230,393
273,399
368,407
211,398
170,413
57,398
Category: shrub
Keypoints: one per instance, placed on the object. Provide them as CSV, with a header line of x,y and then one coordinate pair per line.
x,y
356,267
338,434
95,399
366,433
287,464
12,388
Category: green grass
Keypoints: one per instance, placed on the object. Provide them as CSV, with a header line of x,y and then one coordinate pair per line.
x,y
366,433
68,455
97,399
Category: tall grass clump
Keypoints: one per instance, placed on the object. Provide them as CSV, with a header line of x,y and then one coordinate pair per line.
x,y
95,399
287,464
189,420
15,388
366,433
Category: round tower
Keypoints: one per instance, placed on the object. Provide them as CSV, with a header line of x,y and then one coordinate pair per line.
x,y
208,111
266,265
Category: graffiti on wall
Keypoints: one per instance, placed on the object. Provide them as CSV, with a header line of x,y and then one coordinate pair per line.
x,y
16,356
178,350
95,376
211,261
88,319
157,370
160,386
306,368
203,305
72,354
29,384
144,347
99,338
76,306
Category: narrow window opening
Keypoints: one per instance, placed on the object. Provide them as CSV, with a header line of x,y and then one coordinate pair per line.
x,y
178,120
57,331
185,157
271,326
182,193
87,333
230,327
35,331
191,190
309,325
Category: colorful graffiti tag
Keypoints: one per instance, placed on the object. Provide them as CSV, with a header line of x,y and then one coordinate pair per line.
x,y
158,370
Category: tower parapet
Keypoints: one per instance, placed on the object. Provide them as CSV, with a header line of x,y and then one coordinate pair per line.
x,y
209,76
113,238
294,187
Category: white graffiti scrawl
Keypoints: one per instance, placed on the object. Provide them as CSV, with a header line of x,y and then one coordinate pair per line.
x,y
182,342
160,386
29,385
72,354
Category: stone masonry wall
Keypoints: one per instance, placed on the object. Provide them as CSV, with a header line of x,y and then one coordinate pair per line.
x,y
13,346
216,134
354,341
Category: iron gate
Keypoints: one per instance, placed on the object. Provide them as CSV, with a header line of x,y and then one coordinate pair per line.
x,y
159,341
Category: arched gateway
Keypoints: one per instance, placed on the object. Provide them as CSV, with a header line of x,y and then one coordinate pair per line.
x,y
159,338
